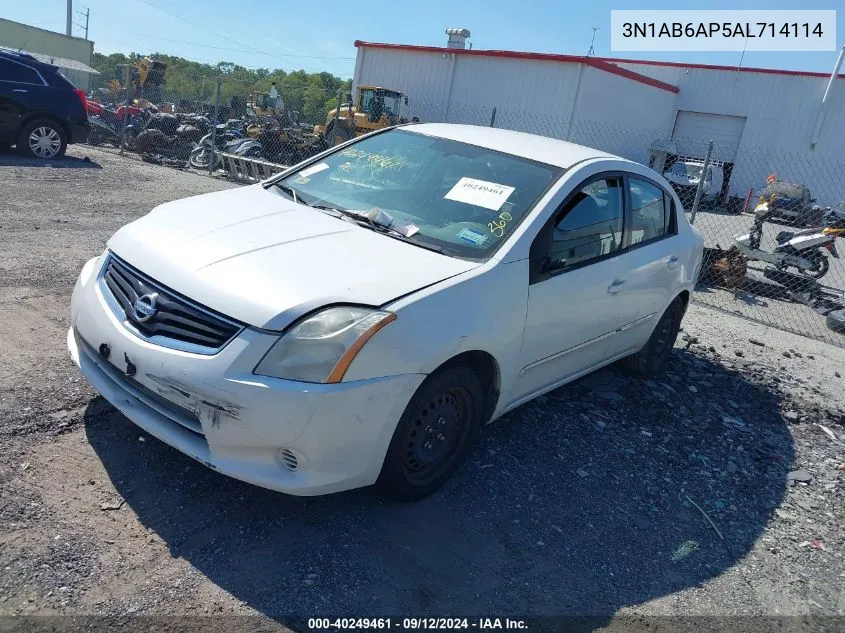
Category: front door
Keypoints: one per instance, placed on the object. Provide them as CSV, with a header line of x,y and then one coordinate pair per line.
x,y
573,298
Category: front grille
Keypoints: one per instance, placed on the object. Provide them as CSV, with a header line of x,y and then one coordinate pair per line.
x,y
169,316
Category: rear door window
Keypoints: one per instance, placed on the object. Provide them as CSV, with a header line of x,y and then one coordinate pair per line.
x,y
649,212
18,73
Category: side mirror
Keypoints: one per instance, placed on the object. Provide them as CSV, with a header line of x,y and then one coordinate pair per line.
x,y
550,265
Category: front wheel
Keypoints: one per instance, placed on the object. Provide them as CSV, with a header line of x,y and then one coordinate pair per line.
x,y
434,435
203,158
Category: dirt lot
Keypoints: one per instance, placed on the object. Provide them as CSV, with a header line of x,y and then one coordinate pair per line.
x,y
609,497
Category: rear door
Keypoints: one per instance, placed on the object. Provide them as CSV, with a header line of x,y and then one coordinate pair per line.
x,y
19,85
651,260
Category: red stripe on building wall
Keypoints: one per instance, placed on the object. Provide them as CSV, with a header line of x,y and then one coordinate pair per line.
x,y
595,61
629,74
574,59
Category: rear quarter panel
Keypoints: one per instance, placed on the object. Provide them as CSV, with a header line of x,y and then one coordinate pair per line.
x,y
58,103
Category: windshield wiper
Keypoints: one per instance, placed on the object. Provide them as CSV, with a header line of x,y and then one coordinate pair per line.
x,y
365,220
289,191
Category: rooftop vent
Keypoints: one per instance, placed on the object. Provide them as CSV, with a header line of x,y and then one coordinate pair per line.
x,y
457,38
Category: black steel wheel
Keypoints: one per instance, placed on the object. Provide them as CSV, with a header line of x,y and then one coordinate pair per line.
x,y
434,434
653,356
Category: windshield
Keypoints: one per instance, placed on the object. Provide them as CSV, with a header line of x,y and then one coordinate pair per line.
x,y
390,102
690,170
461,198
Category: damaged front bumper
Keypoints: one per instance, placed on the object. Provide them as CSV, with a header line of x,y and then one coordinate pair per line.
x,y
295,437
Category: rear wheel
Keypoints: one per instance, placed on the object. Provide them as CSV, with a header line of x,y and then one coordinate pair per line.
x,y
820,266
42,139
434,434
651,358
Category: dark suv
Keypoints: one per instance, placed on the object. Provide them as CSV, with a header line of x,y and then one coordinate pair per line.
x,y
40,110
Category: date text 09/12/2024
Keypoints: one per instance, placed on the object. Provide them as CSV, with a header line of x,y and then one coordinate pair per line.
x,y
411,624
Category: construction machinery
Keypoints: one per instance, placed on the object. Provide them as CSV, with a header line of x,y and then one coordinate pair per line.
x,y
374,109
146,76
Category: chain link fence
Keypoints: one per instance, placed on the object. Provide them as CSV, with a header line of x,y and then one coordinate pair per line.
x,y
192,124
771,220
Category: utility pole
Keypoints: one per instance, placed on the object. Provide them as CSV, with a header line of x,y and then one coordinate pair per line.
x,y
69,21
87,15
592,50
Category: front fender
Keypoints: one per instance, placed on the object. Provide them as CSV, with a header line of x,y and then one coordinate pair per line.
x,y
483,309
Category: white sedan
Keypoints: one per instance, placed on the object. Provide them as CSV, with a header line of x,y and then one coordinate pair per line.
x,y
356,319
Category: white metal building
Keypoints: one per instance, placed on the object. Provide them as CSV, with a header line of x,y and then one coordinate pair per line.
x,y
53,45
623,105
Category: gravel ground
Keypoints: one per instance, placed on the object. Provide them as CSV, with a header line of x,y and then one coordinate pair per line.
x,y
716,488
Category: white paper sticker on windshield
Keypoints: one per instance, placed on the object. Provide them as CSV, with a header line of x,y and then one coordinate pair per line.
x,y
310,171
481,193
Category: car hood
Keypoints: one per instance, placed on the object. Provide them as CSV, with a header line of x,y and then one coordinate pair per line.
x,y
258,257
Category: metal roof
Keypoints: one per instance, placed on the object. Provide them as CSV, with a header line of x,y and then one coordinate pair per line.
x,y
61,62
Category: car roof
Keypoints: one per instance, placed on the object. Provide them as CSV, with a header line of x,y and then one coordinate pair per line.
x,y
532,146
29,60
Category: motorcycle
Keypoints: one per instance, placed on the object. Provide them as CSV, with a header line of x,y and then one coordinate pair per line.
x,y
803,250
178,146
107,126
226,139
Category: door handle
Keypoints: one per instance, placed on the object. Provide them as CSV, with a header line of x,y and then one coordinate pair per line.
x,y
19,90
616,286
673,262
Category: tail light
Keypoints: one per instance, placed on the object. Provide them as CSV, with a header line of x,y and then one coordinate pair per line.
x,y
83,99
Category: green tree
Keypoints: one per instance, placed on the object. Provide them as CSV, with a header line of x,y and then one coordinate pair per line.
x,y
311,94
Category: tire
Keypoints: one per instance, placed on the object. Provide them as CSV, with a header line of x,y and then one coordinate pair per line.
x,y
203,156
434,434
836,321
820,267
42,138
653,356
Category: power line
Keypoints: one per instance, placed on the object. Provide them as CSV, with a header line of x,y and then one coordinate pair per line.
x,y
241,50
203,28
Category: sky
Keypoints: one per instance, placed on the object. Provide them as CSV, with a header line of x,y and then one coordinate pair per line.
x,y
320,36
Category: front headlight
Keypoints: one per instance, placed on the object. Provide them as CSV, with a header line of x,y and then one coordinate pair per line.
x,y
321,347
